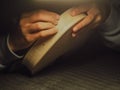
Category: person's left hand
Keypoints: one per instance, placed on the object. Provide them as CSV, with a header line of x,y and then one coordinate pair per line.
x,y
96,14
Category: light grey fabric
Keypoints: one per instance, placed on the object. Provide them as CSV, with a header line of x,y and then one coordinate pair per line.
x,y
111,28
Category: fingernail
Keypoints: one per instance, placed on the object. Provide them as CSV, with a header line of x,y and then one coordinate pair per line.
x,y
73,35
75,29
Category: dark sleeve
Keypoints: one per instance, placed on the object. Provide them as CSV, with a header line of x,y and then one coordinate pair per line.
x,y
6,55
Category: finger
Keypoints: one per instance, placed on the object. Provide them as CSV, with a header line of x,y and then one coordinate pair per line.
x,y
30,38
78,10
39,26
45,33
91,26
84,23
45,16
49,32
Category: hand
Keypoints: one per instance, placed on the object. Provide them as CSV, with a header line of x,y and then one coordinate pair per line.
x,y
96,14
33,26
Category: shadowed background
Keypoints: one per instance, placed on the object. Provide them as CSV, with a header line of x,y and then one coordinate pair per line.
x,y
91,67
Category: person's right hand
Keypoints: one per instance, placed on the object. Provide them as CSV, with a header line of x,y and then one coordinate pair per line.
x,y
33,26
96,13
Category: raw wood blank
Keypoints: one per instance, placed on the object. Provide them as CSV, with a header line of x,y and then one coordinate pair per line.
x,y
43,53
